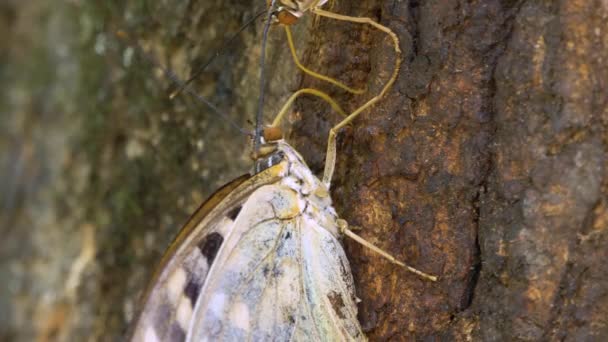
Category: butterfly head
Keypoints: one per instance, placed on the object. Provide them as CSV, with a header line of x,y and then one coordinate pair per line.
x,y
269,153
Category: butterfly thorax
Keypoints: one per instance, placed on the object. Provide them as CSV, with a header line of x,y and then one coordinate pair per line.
x,y
313,195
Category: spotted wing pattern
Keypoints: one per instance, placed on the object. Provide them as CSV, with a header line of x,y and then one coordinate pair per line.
x,y
165,310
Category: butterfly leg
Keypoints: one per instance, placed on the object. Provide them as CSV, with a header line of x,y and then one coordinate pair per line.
x,y
314,74
330,159
309,91
343,225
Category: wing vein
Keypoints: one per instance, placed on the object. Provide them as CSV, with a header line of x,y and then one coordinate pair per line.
x,y
307,301
272,254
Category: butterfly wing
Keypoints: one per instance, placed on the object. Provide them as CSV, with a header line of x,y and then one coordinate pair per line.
x,y
166,308
278,276
329,285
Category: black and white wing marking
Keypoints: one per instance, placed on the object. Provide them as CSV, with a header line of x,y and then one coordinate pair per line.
x,y
167,304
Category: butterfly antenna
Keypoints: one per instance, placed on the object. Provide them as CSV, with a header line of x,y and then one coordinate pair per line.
x,y
178,82
218,52
259,117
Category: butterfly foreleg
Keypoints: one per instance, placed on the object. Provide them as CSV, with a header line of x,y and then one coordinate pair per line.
x,y
314,74
309,91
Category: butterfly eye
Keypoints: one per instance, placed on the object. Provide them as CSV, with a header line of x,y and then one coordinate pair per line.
x,y
272,133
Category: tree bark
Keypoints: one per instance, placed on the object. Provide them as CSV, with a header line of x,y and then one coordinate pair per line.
x,y
485,164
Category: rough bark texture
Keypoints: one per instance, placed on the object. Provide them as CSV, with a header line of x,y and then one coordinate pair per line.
x,y
485,164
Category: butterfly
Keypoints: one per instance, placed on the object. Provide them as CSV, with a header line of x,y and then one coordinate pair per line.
x,y
261,259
